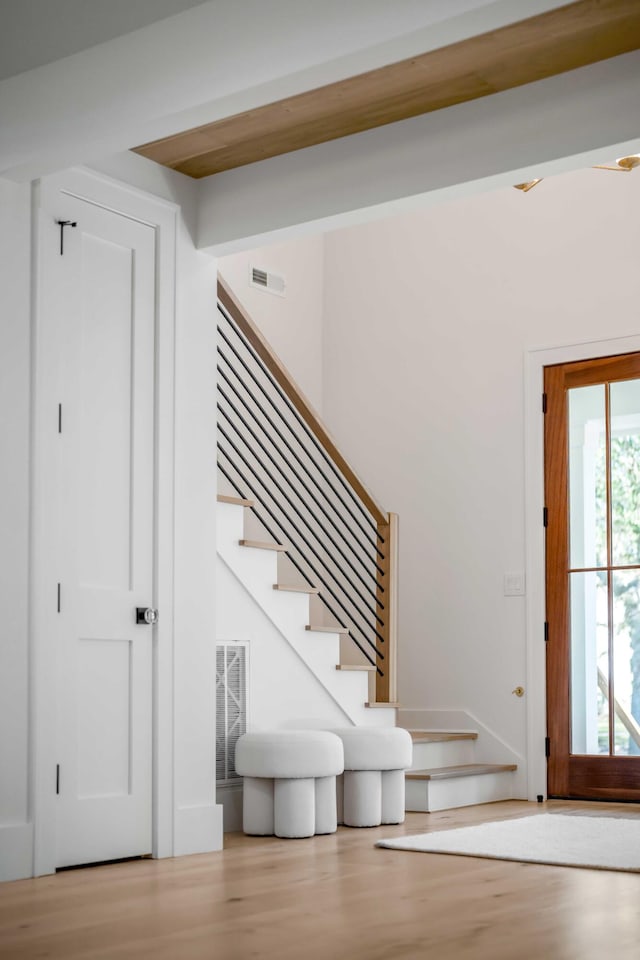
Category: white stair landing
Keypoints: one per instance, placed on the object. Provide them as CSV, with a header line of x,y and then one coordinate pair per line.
x,y
442,788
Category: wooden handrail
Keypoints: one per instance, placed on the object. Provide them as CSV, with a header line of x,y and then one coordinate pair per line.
x,y
385,524
297,397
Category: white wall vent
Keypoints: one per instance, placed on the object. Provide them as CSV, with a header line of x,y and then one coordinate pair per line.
x,y
231,706
265,280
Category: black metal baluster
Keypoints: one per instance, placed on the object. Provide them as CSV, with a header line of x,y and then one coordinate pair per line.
x,y
296,457
292,408
291,521
329,537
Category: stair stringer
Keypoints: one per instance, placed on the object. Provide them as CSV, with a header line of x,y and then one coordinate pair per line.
x,y
256,572
282,692
488,748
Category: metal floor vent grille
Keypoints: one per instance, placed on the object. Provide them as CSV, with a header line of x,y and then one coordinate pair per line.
x,y
231,706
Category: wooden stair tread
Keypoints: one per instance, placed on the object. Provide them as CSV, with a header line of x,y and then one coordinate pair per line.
x,y
355,666
294,588
441,736
237,501
462,770
263,545
320,628
380,705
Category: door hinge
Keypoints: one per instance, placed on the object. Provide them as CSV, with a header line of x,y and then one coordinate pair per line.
x,y
59,418
547,747
546,631
59,596
544,403
545,517
62,224
57,778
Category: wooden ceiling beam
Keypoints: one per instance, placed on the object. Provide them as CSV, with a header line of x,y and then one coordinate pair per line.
x,y
563,39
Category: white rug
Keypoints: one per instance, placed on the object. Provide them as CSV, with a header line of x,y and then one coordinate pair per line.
x,y
602,843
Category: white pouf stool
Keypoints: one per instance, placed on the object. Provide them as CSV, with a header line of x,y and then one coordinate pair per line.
x,y
372,789
289,782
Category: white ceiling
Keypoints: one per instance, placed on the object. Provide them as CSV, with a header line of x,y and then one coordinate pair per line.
x,y
35,32
210,61
187,63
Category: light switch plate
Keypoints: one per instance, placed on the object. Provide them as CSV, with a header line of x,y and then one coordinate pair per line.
x,y
514,584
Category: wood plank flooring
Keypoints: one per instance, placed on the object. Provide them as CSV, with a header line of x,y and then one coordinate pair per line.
x,y
335,897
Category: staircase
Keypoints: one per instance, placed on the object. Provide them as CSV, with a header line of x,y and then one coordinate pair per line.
x,y
309,557
304,501
257,566
446,774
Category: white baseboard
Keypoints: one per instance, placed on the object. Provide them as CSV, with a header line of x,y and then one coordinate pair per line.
x,y
230,797
198,830
16,851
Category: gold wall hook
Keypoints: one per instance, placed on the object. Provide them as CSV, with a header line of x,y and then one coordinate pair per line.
x,y
519,691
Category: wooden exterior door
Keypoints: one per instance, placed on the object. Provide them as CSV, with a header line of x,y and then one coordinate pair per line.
x,y
592,493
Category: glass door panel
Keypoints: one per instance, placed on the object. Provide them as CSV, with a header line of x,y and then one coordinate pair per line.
x,y
626,661
625,472
589,663
587,466
604,542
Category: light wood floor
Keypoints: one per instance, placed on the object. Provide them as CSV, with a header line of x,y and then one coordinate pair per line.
x,y
336,897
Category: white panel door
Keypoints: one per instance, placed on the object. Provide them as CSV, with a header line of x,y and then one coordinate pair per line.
x,y
104,304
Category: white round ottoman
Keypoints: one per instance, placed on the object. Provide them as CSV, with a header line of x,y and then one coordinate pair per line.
x,y
289,782
372,789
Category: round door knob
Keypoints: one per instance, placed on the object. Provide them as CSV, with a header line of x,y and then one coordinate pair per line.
x,y
146,615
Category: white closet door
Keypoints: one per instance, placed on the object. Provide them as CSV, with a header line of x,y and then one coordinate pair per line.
x,y
104,304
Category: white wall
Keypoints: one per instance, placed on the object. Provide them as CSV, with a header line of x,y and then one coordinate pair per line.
x,y
427,321
15,324
292,324
198,823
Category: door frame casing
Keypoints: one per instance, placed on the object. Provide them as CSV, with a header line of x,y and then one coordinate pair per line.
x,y
536,359
161,216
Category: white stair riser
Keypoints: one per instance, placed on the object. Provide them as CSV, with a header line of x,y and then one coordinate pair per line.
x,y
442,753
229,523
430,795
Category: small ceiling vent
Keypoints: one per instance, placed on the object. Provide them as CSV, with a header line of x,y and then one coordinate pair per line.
x,y
265,280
